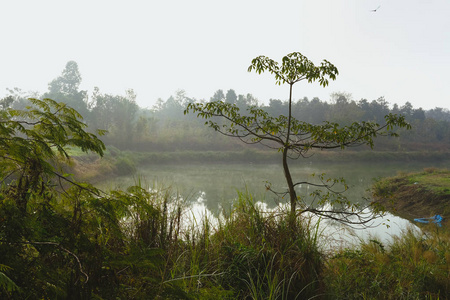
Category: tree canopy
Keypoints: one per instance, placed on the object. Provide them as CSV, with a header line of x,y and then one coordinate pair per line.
x,y
68,82
33,140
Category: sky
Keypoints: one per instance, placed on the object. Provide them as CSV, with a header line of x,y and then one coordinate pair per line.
x,y
400,52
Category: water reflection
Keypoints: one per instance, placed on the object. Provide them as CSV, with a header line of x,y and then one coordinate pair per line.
x,y
218,184
333,235
213,187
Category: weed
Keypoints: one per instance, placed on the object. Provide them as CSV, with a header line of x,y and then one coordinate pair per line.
x,y
413,266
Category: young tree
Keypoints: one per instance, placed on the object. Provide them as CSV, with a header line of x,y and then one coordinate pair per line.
x,y
231,96
68,82
218,96
65,88
37,198
295,138
32,141
116,114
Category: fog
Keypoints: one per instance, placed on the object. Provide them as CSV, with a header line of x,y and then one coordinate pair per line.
x,y
401,51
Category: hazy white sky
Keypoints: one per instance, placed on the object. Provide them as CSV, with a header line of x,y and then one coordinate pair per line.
x,y
401,52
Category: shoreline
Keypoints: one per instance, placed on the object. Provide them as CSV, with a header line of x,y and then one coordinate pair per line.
x,y
416,195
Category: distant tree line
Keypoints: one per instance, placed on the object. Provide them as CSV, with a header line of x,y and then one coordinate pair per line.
x,y
165,128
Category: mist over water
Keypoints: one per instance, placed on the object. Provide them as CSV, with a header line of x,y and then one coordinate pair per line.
x,y
211,188
218,184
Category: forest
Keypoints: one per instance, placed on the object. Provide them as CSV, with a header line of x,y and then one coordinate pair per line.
x,y
63,238
164,127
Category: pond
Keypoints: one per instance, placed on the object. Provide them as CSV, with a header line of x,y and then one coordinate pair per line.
x,y
213,187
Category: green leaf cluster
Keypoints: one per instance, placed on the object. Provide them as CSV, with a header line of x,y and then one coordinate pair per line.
x,y
295,67
257,126
60,238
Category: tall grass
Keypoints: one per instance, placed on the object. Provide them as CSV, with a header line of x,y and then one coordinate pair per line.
x,y
414,266
147,243
247,253
260,256
250,252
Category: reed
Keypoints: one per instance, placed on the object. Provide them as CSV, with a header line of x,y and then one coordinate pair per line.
x,y
413,266
148,243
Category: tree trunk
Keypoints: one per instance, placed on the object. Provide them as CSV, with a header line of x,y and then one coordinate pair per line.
x,y
287,175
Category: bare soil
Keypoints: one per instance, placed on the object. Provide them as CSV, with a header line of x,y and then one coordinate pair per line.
x,y
414,200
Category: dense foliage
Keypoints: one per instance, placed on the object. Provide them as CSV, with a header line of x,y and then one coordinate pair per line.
x,y
64,239
164,128
61,238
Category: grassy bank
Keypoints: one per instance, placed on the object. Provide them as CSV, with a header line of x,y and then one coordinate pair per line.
x,y
413,266
91,168
416,195
416,265
261,156
116,162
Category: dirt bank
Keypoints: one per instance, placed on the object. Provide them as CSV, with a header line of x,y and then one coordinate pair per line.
x,y
416,195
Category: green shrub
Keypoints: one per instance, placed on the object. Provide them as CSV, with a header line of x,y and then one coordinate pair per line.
x,y
124,166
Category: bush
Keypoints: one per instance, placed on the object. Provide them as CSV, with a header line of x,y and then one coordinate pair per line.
x,y
124,166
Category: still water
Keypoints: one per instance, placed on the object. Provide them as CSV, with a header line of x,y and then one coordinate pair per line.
x,y
211,187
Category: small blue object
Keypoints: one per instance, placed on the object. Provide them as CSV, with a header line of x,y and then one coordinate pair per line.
x,y
435,219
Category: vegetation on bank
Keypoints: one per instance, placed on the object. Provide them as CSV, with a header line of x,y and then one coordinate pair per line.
x,y
115,162
61,238
416,195
146,245
259,156
413,266
416,265
164,128
91,168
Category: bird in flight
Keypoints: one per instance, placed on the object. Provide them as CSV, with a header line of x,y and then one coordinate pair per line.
x,y
375,10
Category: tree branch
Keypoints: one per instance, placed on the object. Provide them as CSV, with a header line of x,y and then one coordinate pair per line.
x,y
58,246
